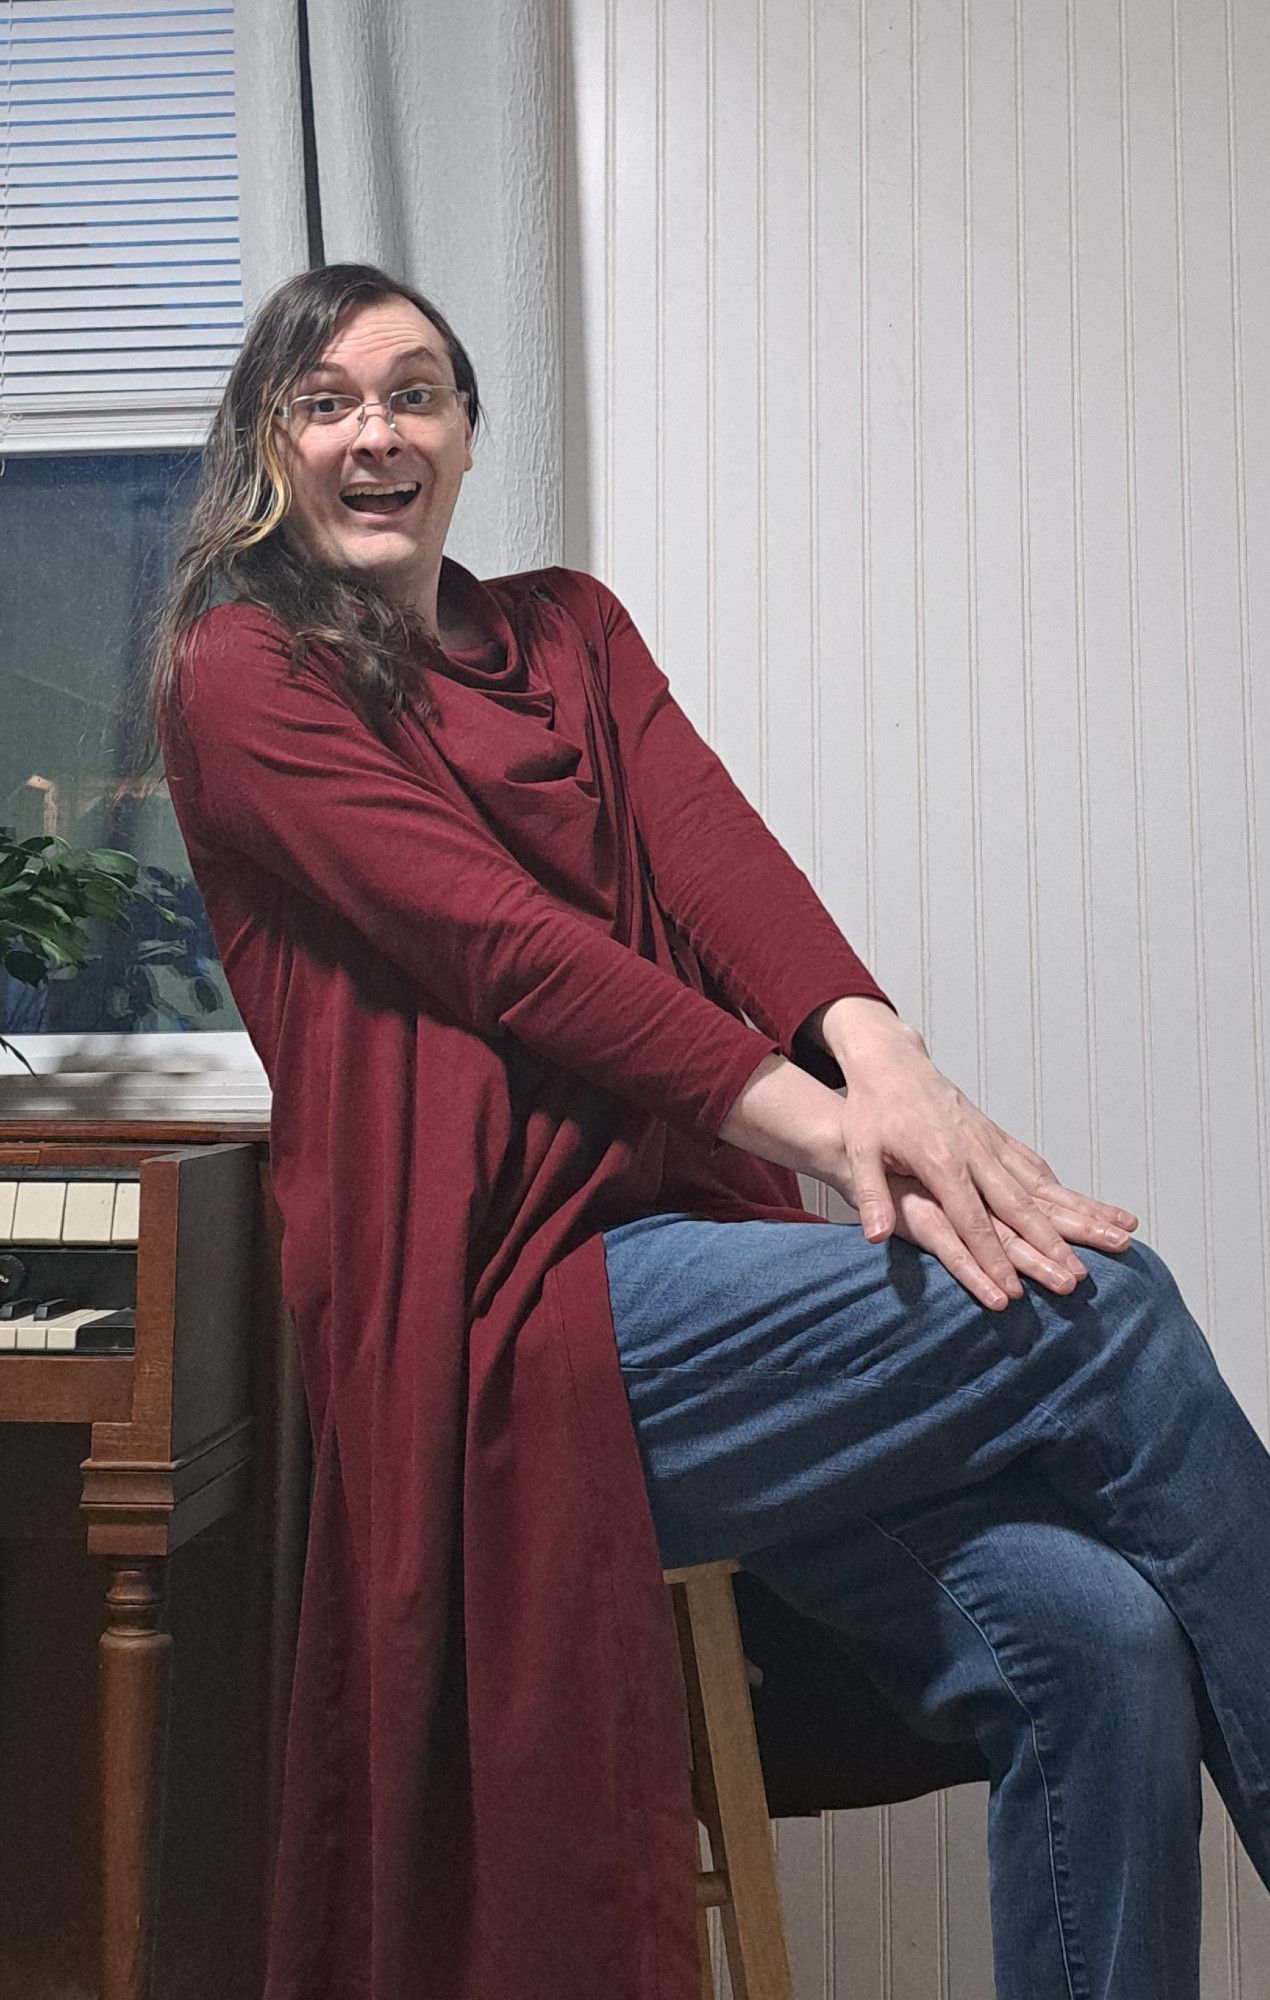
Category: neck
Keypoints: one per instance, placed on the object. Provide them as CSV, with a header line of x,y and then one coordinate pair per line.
x,y
419,592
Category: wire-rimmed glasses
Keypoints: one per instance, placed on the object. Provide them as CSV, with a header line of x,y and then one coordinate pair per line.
x,y
422,405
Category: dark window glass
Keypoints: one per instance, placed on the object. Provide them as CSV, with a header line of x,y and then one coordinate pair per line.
x,y
86,544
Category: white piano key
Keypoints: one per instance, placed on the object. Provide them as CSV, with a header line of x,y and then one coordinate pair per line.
x,y
89,1211
37,1213
29,1335
8,1196
8,1339
61,1332
127,1215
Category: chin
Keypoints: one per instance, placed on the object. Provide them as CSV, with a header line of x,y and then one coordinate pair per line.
x,y
383,560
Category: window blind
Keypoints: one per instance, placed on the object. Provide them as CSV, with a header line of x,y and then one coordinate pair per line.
x,y
120,289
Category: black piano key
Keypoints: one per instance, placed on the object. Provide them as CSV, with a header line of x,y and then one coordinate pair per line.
x,y
18,1308
113,1333
53,1308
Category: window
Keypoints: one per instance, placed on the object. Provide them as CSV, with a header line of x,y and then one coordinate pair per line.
x,y
120,313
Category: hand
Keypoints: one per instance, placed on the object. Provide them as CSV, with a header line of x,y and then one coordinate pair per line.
x,y
917,1158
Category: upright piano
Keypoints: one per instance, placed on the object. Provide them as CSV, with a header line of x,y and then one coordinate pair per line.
x,y
132,1263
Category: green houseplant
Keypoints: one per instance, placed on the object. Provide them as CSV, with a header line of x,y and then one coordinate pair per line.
x,y
50,895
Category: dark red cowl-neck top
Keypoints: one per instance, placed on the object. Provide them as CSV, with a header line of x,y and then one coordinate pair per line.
x,y
495,961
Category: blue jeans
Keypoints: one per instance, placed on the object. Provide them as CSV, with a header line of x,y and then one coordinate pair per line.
x,y
1046,1529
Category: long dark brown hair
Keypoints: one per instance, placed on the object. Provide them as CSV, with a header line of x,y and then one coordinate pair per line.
x,y
233,547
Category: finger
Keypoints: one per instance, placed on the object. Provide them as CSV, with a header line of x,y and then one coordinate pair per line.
x,y
1077,1223
957,1195
1042,1182
1012,1204
921,1220
1030,1263
871,1197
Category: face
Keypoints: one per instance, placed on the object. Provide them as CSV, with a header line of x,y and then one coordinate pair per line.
x,y
334,470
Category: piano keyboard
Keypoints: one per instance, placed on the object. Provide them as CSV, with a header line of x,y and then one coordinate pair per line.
x,y
33,1210
81,1330
61,1235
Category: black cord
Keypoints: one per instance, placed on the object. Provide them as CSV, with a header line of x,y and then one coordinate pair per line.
x,y
312,191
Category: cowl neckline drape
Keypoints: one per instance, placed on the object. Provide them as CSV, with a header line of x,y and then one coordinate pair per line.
x,y
528,751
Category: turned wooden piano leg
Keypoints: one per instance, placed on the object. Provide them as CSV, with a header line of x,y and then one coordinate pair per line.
x,y
136,1677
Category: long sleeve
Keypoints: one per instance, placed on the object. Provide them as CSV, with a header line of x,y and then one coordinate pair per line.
x,y
274,763
748,911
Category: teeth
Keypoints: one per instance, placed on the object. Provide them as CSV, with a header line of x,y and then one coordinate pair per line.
x,y
408,486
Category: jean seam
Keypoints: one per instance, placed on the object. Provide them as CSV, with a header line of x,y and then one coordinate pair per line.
x,y
1014,1694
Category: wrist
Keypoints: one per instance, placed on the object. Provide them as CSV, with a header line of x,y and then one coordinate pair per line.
x,y
855,1027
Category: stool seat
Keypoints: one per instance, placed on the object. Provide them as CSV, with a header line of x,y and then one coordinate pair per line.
x,y
727,1789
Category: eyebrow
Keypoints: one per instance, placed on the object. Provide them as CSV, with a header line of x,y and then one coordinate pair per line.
x,y
407,354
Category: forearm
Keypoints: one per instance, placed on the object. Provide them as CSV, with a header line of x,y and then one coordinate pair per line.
x,y
785,1116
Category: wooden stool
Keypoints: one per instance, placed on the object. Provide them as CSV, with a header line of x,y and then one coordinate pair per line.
x,y
727,1789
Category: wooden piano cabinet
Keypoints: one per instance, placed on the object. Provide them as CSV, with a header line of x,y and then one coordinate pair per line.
x,y
171,1459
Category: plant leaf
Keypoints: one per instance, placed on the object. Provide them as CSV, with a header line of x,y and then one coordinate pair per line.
x,y
24,965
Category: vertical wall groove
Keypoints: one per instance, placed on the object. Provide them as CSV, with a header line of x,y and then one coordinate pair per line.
x,y
712,230
1078,581
820,1194
972,566
919,560
610,288
886,1911
760,353
813,456
1188,643
1245,677
943,1948
559,28
1133,568
659,308
1025,581
866,555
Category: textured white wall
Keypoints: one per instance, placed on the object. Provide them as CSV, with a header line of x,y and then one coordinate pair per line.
x,y
917,403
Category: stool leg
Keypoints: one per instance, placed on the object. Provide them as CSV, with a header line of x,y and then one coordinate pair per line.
x,y
730,1792
703,1946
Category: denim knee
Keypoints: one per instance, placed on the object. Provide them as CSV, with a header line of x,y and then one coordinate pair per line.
x,y
1136,1296
1138,1274
1134,1645
1110,1641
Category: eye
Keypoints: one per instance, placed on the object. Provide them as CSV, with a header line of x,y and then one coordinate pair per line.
x,y
419,396
325,409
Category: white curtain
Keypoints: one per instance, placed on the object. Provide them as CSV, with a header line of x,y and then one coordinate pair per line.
x,y
434,130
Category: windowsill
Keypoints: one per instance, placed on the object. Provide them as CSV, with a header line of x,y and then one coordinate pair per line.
x,y
111,1077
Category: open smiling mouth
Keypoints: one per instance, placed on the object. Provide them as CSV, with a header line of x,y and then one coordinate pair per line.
x,y
380,499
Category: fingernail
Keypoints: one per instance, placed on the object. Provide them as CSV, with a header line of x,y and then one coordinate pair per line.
x,y
1116,1237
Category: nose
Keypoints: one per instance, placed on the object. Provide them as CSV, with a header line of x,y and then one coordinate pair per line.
x,y
376,430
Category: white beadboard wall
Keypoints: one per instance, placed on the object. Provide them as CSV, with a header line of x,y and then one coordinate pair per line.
x,y
918,404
